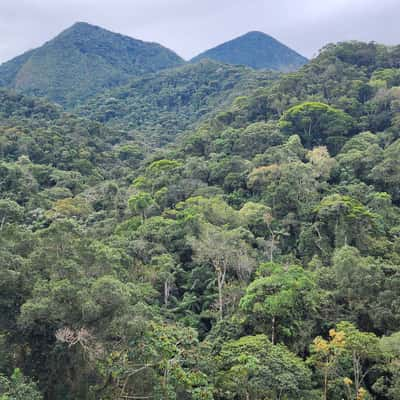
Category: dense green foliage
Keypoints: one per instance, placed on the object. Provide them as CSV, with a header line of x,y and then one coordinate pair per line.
x,y
82,61
163,104
257,257
18,388
256,50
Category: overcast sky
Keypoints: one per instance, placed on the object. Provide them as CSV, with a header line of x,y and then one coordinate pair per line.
x,y
191,26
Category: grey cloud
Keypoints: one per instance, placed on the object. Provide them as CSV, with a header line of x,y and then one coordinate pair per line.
x,y
191,26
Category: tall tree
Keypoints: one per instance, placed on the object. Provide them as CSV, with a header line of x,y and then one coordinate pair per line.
x,y
227,253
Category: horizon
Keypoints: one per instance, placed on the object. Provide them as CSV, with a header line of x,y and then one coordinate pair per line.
x,y
189,28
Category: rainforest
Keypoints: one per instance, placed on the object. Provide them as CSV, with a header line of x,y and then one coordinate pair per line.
x,y
200,230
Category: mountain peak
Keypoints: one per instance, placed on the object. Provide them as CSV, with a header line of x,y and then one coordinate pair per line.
x,y
83,60
257,50
80,27
85,31
81,24
78,24
256,34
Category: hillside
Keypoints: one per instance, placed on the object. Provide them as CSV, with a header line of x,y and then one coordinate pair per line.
x,y
81,61
257,257
163,104
256,50
55,153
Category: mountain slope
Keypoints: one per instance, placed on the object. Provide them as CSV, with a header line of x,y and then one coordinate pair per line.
x,y
82,61
256,50
241,242
35,131
162,104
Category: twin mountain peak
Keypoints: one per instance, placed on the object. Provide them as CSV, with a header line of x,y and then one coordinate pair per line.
x,y
86,59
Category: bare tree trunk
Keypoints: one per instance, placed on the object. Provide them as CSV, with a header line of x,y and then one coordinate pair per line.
x,y
273,330
167,292
221,274
272,246
271,255
325,394
220,300
357,372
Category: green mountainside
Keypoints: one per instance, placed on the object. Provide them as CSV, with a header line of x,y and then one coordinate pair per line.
x,y
256,50
57,153
256,257
163,104
82,61
85,60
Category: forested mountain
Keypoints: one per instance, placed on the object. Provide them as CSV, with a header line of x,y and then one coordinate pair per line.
x,y
158,106
256,50
85,60
48,154
82,61
257,257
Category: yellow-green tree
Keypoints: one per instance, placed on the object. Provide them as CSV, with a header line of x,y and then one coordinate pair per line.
x,y
325,355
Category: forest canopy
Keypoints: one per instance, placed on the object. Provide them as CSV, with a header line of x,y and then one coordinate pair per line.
x,y
256,256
